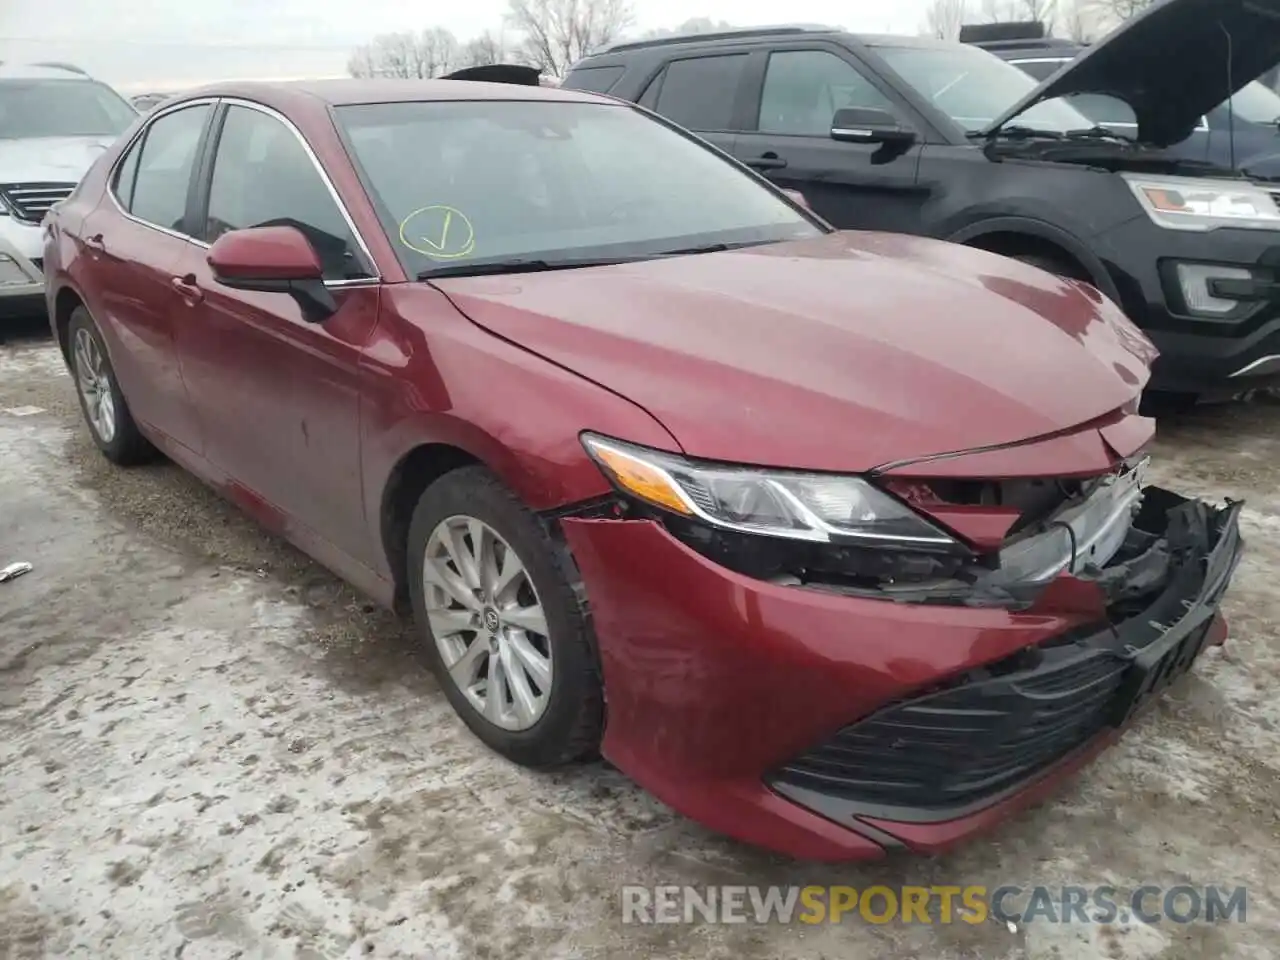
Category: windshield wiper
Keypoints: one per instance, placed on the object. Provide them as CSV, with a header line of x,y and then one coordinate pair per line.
x,y
1015,131
1098,133
712,248
498,267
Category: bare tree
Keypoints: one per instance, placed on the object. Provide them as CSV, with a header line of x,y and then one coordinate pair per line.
x,y
692,25
427,54
1041,11
997,11
1118,11
1078,22
483,50
556,33
944,18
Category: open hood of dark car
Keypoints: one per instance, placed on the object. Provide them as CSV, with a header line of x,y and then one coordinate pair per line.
x,y
1172,63
499,73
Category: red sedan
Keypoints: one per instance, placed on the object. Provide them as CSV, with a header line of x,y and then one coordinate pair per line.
x,y
836,542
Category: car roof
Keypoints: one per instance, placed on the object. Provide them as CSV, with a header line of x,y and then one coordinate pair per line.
x,y
41,71
348,92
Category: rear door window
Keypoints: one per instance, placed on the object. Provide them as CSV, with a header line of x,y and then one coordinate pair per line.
x,y
163,177
699,92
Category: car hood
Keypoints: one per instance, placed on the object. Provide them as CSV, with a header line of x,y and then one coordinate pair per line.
x,y
1171,63
49,159
843,353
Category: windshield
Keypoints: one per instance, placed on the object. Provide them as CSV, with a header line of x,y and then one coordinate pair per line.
x,y
1256,103
463,183
974,87
61,108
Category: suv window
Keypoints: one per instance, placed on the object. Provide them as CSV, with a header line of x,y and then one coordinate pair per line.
x,y
593,79
262,176
804,88
167,154
698,93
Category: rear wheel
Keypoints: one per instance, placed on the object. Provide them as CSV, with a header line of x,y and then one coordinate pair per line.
x,y
503,628
105,411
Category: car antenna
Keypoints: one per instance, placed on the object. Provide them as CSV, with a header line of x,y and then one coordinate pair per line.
x,y
1231,107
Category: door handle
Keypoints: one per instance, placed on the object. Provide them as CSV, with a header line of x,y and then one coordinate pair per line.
x,y
767,161
187,289
95,245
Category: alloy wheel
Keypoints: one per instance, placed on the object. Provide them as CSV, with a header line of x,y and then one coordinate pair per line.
x,y
487,622
93,380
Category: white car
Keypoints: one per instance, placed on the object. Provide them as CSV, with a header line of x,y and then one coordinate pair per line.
x,y
54,122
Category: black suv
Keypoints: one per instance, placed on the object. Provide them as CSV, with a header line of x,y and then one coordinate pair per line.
x,y
947,140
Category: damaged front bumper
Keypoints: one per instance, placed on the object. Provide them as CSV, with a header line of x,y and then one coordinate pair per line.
x,y
832,726
944,753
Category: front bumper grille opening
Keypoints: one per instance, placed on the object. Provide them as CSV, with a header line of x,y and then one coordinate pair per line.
x,y
968,742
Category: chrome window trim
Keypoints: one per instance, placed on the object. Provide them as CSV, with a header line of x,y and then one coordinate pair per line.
x,y
133,142
311,155
324,177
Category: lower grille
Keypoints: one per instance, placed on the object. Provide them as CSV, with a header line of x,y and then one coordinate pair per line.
x,y
965,743
29,202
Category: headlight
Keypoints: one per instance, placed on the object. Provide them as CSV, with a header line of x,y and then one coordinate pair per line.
x,y
814,507
1180,203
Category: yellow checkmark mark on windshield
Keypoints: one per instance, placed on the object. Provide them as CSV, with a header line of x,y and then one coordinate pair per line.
x,y
440,232
444,234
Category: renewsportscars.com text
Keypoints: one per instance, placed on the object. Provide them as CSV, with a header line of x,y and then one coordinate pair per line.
x,y
935,904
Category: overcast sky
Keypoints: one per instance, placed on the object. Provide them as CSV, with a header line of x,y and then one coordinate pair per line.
x,y
167,44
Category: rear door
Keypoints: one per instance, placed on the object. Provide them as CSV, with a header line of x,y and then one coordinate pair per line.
x,y
793,92
135,240
278,396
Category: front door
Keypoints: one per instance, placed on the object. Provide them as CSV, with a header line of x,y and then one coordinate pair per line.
x,y
278,396
853,185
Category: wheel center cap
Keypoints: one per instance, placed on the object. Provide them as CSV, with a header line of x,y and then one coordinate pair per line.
x,y
491,620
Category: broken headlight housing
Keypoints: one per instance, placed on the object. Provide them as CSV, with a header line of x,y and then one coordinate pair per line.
x,y
792,506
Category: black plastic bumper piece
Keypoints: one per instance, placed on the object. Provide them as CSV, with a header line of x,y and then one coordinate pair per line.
x,y
957,749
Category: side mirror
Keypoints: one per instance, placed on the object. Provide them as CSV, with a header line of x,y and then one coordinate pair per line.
x,y
865,125
273,260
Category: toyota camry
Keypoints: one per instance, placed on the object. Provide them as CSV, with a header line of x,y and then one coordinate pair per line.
x,y
836,542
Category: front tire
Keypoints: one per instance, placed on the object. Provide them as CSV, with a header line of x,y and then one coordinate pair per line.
x,y
105,411
501,623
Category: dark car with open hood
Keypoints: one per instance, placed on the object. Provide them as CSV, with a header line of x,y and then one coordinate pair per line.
x,y
837,542
947,140
1242,132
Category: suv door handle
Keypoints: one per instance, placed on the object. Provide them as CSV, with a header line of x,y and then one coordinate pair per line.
x,y
187,289
95,245
767,161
